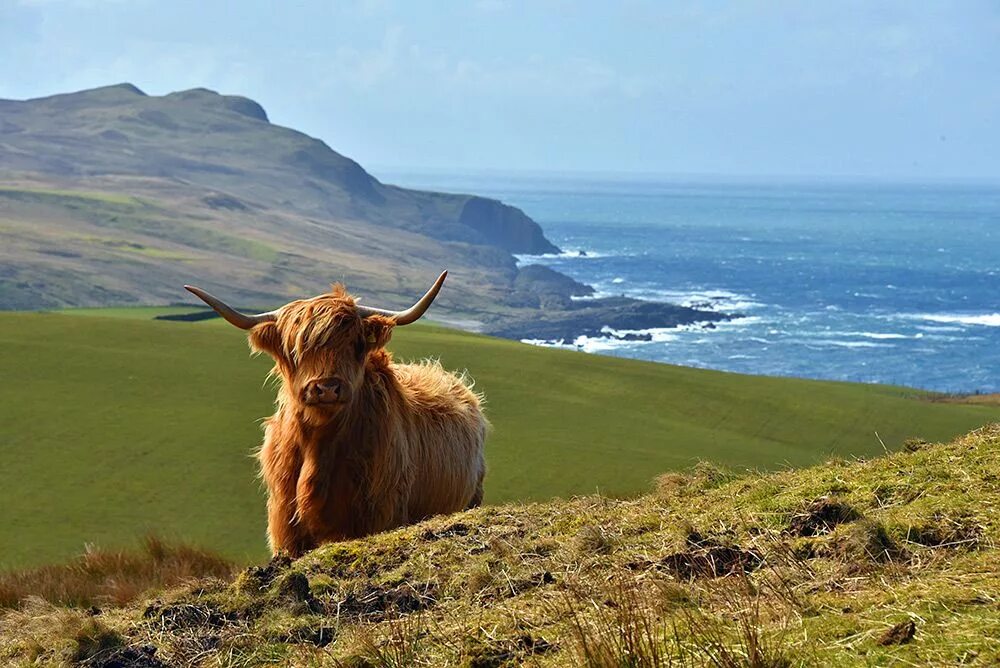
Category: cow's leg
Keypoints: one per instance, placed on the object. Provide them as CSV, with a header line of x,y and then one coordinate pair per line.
x,y
311,492
280,464
477,496
284,532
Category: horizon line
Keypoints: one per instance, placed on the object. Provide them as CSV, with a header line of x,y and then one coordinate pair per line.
x,y
668,176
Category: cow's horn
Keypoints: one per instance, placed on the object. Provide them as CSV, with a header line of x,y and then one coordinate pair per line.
x,y
231,315
413,313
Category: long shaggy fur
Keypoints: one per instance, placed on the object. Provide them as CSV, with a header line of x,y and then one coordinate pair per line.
x,y
407,443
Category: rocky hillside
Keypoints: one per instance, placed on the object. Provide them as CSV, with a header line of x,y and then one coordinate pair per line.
x,y
227,144
111,196
891,560
114,197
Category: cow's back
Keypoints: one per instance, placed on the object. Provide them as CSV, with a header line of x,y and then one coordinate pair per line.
x,y
446,433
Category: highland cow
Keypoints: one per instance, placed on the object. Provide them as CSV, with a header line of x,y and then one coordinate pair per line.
x,y
358,444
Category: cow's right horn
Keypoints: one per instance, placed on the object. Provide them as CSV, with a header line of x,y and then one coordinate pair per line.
x,y
411,314
231,315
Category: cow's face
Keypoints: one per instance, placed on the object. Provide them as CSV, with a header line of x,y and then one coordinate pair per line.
x,y
320,346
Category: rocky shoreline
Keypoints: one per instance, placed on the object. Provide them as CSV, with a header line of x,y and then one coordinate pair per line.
x,y
563,309
620,318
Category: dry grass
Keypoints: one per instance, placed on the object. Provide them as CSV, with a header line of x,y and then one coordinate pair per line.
x,y
975,399
392,645
620,625
112,577
747,628
886,561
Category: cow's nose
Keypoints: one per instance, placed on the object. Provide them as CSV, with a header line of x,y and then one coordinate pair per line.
x,y
324,389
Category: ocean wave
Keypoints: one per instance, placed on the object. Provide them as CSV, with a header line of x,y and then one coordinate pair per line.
x,y
939,328
655,334
617,339
567,254
838,343
587,344
660,334
715,300
708,299
878,336
885,335
982,319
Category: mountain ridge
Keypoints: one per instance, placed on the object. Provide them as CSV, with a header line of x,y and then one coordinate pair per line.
x,y
110,196
126,130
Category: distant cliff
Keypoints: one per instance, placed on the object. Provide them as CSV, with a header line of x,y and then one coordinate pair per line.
x,y
227,142
113,197
504,226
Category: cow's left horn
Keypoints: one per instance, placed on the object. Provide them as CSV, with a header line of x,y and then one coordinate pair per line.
x,y
231,315
413,313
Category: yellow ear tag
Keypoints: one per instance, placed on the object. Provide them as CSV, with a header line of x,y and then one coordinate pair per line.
x,y
371,338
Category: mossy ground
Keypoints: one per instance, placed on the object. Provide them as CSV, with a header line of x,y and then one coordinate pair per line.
x,y
886,561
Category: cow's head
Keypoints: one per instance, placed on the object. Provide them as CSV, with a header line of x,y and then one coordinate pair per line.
x,y
320,345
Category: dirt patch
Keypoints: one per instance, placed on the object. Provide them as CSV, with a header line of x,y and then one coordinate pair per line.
x,y
709,558
526,584
944,531
180,616
260,578
502,589
509,651
191,646
900,634
821,516
457,529
139,656
294,587
375,603
320,636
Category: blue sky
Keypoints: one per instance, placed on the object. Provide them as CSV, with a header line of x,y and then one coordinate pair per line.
x,y
898,89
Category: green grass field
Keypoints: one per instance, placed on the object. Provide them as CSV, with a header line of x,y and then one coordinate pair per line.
x,y
115,425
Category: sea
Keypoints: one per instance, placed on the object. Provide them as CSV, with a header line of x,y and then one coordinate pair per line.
x,y
874,282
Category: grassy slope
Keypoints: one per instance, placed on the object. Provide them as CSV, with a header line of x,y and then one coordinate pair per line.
x,y
902,573
109,196
114,426
91,247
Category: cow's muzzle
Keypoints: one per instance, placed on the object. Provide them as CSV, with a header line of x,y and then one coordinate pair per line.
x,y
324,391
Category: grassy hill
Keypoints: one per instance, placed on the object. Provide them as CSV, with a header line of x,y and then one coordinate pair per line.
x,y
890,561
115,425
110,196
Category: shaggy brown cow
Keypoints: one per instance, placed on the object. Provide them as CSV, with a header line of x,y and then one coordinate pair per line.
x,y
358,444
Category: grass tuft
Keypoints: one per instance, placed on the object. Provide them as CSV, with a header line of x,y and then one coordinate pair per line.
x,y
112,577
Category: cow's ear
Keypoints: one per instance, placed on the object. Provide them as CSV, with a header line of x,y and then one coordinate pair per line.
x,y
265,338
377,331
